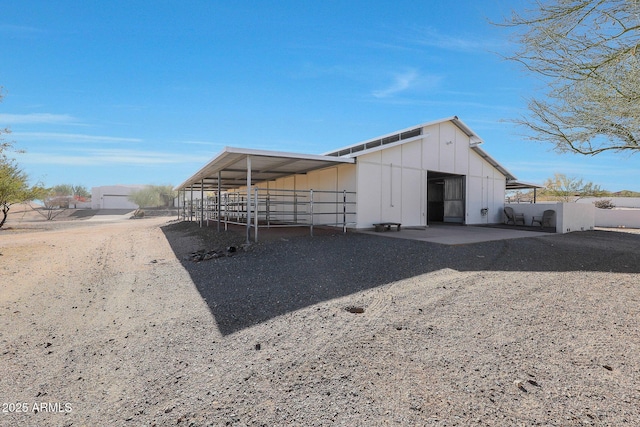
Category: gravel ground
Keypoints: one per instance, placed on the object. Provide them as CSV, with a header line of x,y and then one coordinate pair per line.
x,y
113,324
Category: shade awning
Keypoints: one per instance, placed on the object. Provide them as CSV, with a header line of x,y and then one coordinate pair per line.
x,y
230,168
520,185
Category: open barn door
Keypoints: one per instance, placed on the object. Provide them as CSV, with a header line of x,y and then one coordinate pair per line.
x,y
445,197
454,199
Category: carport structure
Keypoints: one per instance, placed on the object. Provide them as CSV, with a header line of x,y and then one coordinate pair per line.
x,y
237,183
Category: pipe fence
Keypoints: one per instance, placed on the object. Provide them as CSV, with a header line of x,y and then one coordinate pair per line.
x,y
271,208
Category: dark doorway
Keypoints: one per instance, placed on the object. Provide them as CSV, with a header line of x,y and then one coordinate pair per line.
x,y
445,197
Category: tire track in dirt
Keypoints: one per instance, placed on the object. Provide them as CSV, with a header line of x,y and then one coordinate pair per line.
x,y
75,321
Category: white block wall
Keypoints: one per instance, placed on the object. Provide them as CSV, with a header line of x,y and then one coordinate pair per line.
x,y
569,216
628,218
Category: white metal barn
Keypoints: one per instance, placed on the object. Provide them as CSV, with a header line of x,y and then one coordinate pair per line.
x,y
434,172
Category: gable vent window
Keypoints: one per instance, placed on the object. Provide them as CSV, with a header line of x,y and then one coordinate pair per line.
x,y
378,142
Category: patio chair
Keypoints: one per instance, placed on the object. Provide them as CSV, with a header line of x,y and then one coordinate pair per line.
x,y
545,219
512,217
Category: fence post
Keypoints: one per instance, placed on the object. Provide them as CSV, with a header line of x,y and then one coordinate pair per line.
x,y
311,210
255,215
191,208
201,202
267,204
226,212
344,211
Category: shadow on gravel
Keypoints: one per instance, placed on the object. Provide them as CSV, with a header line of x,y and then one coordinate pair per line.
x,y
285,274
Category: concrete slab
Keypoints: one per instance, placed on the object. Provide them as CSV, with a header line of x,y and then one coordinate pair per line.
x,y
458,234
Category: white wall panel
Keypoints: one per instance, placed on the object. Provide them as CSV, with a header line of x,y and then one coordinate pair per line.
x,y
447,148
369,194
475,199
413,196
495,210
323,179
476,164
391,191
412,155
347,177
431,148
392,155
288,183
461,154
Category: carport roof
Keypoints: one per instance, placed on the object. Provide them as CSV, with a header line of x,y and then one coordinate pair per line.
x,y
231,166
521,185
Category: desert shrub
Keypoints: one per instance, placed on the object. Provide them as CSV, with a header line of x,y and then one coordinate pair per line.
x,y
604,204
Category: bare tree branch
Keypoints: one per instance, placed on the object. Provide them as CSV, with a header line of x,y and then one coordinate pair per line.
x,y
586,53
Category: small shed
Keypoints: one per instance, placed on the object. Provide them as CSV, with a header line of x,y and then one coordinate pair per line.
x,y
433,172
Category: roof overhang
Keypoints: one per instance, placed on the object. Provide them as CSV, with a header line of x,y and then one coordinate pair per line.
x,y
520,185
230,168
493,162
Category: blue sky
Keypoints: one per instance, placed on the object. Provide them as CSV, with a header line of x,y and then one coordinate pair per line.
x,y
147,92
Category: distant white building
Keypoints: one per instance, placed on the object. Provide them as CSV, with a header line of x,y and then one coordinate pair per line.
x,y
113,197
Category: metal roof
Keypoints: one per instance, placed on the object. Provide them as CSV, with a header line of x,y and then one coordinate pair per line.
x,y
232,167
520,185
493,162
413,133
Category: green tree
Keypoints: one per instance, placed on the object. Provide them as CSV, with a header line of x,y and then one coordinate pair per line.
x,y
14,187
58,197
62,195
167,194
146,197
570,189
586,52
152,196
81,192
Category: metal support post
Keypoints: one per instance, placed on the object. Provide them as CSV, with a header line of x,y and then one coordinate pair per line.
x,y
226,212
267,209
201,202
219,203
191,206
344,211
248,199
311,210
184,204
255,215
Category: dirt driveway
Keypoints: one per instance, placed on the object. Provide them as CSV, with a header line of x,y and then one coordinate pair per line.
x,y
107,324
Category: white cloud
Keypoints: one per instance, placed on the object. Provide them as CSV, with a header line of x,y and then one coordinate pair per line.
x,y
405,81
108,158
19,30
69,137
431,37
36,118
401,82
